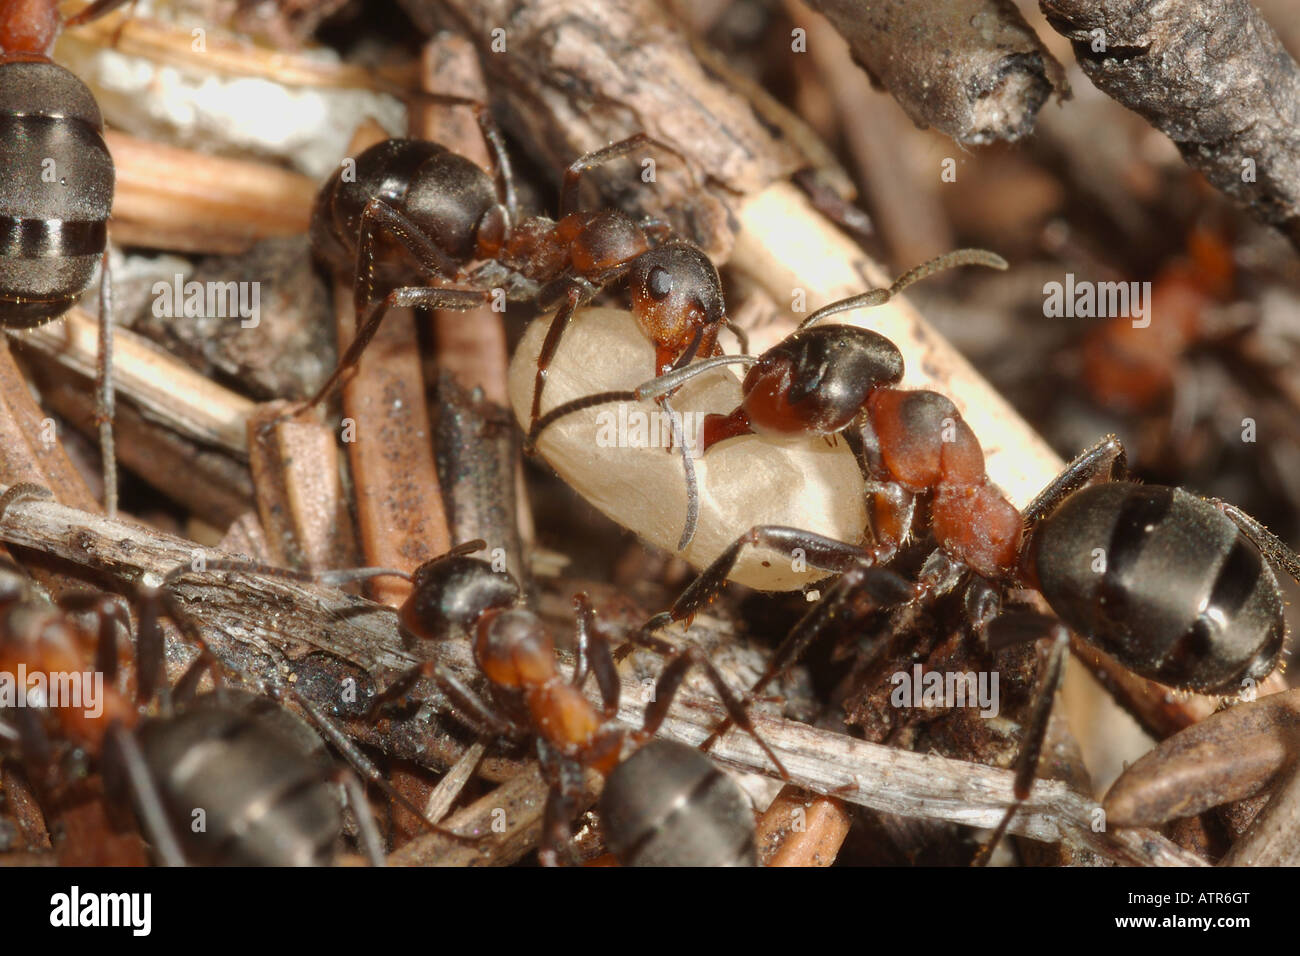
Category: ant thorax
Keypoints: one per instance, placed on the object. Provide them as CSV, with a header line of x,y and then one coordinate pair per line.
x,y
615,455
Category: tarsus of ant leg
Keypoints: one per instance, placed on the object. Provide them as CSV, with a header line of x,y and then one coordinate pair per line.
x,y
370,838
104,397
875,297
692,486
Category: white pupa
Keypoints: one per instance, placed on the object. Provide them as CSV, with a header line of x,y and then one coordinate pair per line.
x,y
604,454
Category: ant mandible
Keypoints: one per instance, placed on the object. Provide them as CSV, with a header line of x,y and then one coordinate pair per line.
x,y
57,191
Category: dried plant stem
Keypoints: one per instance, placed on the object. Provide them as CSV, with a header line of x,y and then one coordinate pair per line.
x,y
134,35
1274,838
300,494
973,69
171,198
802,829
1174,63
163,387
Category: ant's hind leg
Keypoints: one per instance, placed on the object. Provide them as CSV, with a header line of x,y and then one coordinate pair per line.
x,y
1275,550
1105,460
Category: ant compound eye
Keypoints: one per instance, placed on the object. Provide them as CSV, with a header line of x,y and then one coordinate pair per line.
x,y
659,283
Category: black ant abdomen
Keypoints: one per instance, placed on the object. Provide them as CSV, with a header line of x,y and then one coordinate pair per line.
x,y
56,193
1164,582
668,805
245,783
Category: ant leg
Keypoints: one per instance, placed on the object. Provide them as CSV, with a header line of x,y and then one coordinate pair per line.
x,y
458,300
110,614
569,198
1274,549
469,707
1005,631
363,766
187,688
594,655
561,804
679,662
364,815
847,215
1105,460
153,816
825,554
885,589
742,337
379,218
874,297
104,394
577,293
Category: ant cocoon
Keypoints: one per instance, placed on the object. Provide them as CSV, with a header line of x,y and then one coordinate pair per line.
x,y
804,483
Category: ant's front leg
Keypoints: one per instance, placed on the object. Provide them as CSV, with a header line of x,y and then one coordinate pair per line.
x,y
679,662
572,293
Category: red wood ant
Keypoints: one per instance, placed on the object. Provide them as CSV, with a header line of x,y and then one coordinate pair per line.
x,y
413,200
1185,593
457,594
1178,589
57,191
259,773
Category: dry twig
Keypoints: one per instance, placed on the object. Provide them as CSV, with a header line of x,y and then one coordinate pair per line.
x,y
1214,77
973,69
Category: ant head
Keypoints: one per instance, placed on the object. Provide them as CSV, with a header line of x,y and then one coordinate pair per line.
x,y
677,300
450,595
817,380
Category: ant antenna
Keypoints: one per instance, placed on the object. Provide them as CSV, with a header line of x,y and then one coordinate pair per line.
x,y
874,297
